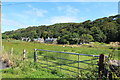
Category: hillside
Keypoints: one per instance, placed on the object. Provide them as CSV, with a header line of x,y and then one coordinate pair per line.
x,y
105,29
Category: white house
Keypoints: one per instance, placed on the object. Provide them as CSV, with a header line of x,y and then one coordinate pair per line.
x,y
51,40
26,39
41,40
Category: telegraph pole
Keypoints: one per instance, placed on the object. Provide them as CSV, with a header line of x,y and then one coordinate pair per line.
x,y
0,28
119,9
0,39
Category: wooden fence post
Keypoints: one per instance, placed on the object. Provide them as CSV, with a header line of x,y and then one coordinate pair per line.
x,y
35,55
110,76
11,52
3,48
24,54
102,70
78,66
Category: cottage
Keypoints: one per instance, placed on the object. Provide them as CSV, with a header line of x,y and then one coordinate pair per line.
x,y
51,40
26,39
41,40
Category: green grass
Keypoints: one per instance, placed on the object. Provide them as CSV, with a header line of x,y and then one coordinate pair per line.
x,y
29,69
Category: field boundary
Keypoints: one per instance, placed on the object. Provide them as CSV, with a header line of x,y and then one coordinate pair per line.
x,y
100,63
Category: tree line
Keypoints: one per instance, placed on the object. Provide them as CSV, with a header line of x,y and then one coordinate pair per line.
x,y
106,29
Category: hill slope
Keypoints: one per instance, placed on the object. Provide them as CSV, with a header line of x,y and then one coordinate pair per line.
x,y
105,29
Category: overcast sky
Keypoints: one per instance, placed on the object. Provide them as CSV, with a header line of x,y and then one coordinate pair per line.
x,y
17,15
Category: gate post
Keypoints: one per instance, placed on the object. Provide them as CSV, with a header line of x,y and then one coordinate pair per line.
x,y
35,55
102,70
24,54
78,65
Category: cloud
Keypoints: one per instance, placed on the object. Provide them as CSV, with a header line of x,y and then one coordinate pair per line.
x,y
9,23
70,15
23,19
21,16
112,14
62,19
36,12
68,10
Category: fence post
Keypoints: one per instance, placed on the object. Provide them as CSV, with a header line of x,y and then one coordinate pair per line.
x,y
24,54
101,64
3,48
110,76
11,52
35,55
47,60
78,66
60,62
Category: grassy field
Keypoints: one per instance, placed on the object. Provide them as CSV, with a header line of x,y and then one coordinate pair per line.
x,y
29,69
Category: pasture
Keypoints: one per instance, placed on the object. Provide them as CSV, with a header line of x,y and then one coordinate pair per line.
x,y
28,69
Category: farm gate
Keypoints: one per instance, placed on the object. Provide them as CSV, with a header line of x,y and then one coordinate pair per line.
x,y
72,64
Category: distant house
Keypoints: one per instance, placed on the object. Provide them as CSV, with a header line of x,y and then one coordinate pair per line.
x,y
51,40
26,39
41,40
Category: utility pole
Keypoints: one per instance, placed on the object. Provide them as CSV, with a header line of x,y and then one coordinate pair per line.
x,y
0,28
119,9
0,39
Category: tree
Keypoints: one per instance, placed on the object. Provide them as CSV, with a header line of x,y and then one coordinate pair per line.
x,y
110,30
118,20
4,36
62,40
86,38
98,35
16,36
105,29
